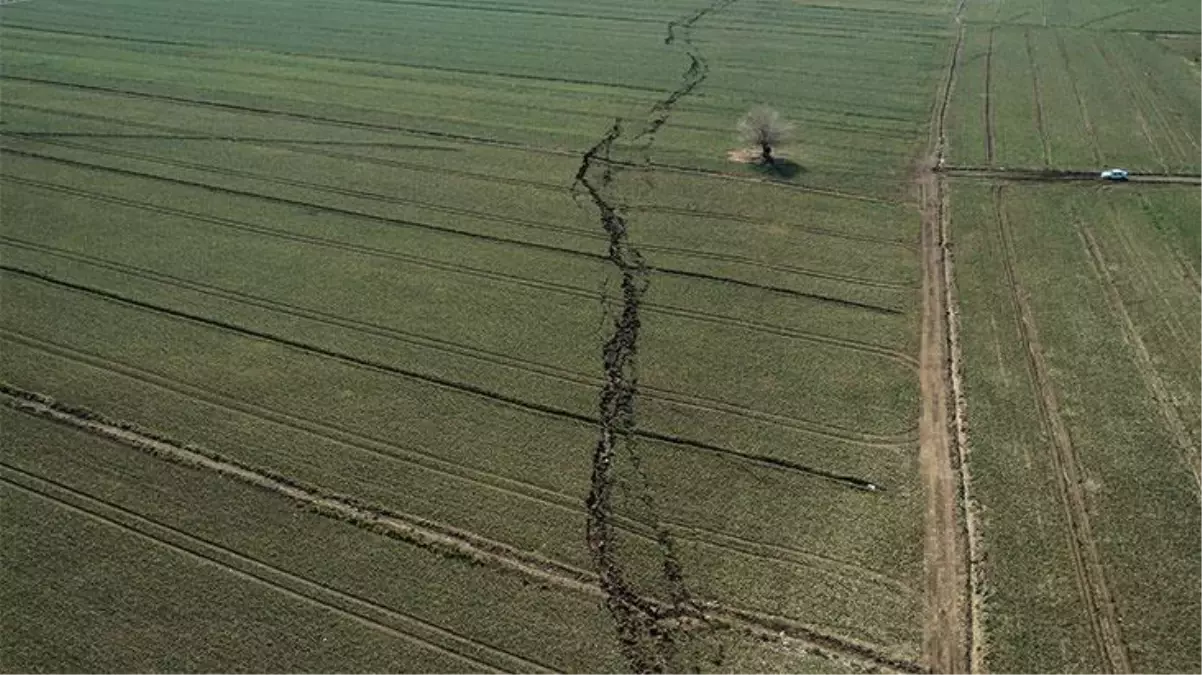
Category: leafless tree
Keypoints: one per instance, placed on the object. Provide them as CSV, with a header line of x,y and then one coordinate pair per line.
x,y
764,127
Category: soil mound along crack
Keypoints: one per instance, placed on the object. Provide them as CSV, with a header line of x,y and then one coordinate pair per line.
x,y
651,635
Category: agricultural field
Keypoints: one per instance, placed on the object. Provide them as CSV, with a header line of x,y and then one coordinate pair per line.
x,y
1078,314
447,335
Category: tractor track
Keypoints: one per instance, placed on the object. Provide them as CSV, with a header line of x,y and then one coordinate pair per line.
x,y
1153,382
370,614
989,126
1102,612
443,383
1037,97
670,310
564,375
448,136
399,222
422,459
1081,107
437,538
296,146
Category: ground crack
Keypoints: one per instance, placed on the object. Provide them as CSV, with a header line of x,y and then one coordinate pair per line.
x,y
651,634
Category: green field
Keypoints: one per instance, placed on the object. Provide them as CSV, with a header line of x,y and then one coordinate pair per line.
x,y
391,335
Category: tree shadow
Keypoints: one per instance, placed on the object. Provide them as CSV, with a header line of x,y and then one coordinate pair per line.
x,y
781,169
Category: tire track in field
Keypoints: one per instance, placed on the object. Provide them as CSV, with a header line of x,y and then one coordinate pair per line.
x,y
1037,94
309,119
561,374
1130,59
398,222
1172,320
989,128
1188,270
1137,91
692,253
362,611
835,234
1153,382
1081,107
442,383
439,539
511,487
1136,108
696,315
446,136
1104,620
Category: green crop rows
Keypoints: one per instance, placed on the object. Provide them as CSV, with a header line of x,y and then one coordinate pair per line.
x,y
495,358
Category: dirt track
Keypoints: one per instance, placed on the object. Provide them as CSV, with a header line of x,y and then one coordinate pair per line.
x,y
950,622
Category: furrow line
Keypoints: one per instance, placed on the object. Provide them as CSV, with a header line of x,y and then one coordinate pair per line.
x,y
1037,95
1153,381
1090,572
312,119
1081,107
365,612
549,411
734,217
393,452
561,374
389,221
693,253
437,538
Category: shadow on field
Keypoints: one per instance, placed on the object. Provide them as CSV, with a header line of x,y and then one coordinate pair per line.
x,y
781,169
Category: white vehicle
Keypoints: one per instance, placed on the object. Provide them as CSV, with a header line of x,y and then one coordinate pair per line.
x,y
1115,174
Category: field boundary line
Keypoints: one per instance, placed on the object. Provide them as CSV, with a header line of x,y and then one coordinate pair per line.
x,y
1153,381
396,526
949,621
1037,95
1090,572
271,576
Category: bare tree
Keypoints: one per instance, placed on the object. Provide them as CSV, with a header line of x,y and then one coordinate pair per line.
x,y
764,127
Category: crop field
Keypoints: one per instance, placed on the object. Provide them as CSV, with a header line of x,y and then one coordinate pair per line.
x,y
446,335
1078,313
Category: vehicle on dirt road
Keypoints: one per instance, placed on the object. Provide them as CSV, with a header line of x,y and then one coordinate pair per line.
x,y
1115,174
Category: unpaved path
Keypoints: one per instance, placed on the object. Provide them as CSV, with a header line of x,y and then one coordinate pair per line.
x,y
950,621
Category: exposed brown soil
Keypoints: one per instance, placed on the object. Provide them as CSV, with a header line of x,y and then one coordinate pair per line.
x,y
950,620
